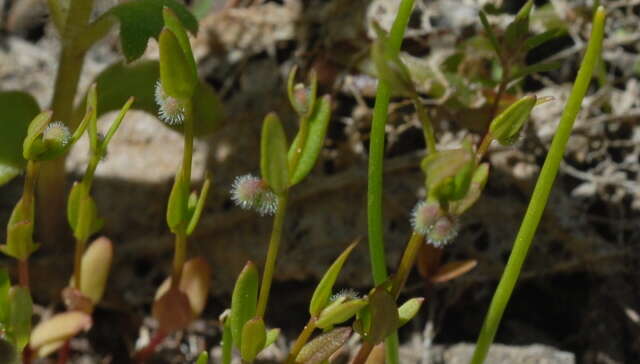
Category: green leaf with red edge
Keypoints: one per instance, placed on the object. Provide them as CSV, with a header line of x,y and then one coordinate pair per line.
x,y
142,19
18,109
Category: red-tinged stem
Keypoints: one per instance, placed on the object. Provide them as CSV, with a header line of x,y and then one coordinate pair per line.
x,y
26,355
145,353
63,353
363,353
23,273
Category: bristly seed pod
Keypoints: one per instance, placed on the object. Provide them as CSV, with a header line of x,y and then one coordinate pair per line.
x,y
252,193
443,231
171,109
424,216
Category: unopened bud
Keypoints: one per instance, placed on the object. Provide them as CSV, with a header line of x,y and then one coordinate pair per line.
x,y
57,134
252,193
506,127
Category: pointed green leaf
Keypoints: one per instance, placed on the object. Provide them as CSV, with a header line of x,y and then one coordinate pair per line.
x,y
178,78
197,211
318,123
177,206
274,165
409,309
254,336
517,31
490,34
535,68
142,19
449,173
544,37
339,313
243,301
172,22
301,97
203,358
323,291
20,311
506,127
18,109
322,347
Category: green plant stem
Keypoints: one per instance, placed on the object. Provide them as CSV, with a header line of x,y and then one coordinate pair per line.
x,y
541,192
376,155
301,340
427,125
179,257
272,255
71,61
484,146
406,263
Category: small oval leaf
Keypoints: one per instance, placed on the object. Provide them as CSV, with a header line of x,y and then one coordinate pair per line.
x,y
176,74
254,337
243,301
409,309
453,270
274,165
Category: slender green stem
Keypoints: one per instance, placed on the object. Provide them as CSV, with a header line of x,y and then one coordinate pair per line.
x,y
376,154
540,193
77,262
180,254
427,125
484,146
301,340
406,263
272,255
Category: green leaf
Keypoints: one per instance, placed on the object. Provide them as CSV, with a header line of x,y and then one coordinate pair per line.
x,y
449,173
18,109
5,285
408,310
173,23
203,358
318,123
254,337
20,243
243,301
177,205
142,19
274,165
323,346
518,29
542,38
272,336
340,312
490,34
534,68
177,76
506,127
33,146
323,291
139,80
478,181
197,211
20,311
82,212
301,97
227,341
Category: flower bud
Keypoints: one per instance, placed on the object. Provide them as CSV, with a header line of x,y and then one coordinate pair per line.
x,y
56,135
171,110
252,193
506,127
